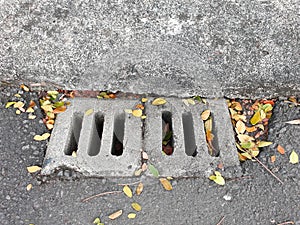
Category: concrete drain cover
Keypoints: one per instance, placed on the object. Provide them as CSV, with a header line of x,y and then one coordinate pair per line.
x,y
108,141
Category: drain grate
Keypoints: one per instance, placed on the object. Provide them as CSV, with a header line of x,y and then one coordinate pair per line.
x,y
108,142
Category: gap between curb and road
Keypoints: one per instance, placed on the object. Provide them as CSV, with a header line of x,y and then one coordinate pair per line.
x,y
96,138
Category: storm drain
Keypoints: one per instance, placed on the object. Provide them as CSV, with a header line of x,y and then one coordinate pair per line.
x,y
108,141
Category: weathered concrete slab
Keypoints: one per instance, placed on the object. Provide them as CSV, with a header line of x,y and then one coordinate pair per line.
x,y
208,48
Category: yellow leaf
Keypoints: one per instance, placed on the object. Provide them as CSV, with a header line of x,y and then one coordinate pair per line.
x,y
136,206
24,87
131,215
31,116
191,101
29,186
144,99
137,112
240,127
41,137
166,184
74,154
97,221
205,114
294,158
128,111
143,117
19,104
237,106
255,118
17,95
88,112
8,104
260,126
138,172
47,108
139,188
159,101
30,110
33,169
115,215
18,112
208,125
262,114
280,149
127,191
217,178
264,144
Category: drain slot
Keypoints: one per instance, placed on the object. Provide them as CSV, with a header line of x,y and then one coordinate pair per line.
x,y
211,137
189,135
96,135
76,125
117,143
167,133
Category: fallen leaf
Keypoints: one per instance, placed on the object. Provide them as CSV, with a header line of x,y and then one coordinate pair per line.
x,y
19,104
237,106
33,169
293,122
60,109
264,143
273,158
32,104
24,87
97,221
136,206
47,108
115,215
88,112
30,110
255,118
280,149
241,127
260,126
217,178
139,188
127,191
137,112
74,154
191,101
18,112
251,129
144,167
153,170
143,117
140,106
208,125
159,101
166,184
145,155
138,172
294,158
144,100
131,215
205,114
244,138
18,95
128,111
29,186
31,117
8,104
41,137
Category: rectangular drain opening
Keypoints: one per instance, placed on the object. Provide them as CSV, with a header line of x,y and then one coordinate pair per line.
x,y
167,133
118,136
189,135
76,125
96,134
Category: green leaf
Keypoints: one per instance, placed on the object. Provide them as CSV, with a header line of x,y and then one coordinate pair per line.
x,y
267,107
58,104
264,144
294,158
168,136
153,170
247,145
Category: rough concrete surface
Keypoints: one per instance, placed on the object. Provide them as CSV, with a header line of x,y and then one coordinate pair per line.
x,y
208,48
255,198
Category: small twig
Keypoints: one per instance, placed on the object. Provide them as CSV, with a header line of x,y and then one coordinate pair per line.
x,y
263,165
99,195
129,183
288,222
221,221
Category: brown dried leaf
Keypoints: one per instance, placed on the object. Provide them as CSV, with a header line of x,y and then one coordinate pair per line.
x,y
280,149
237,106
244,138
273,158
251,129
60,109
139,188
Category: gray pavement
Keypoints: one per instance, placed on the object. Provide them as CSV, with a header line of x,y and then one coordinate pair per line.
x,y
208,48
255,198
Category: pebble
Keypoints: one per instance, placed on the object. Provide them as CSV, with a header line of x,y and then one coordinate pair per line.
x,y
7,197
36,153
227,197
25,147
